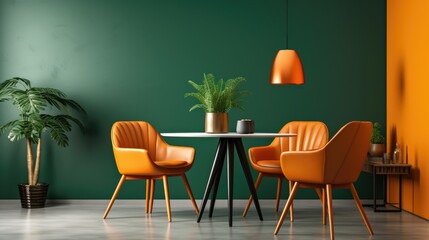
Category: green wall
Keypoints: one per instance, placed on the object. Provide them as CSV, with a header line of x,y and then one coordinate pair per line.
x,y
130,60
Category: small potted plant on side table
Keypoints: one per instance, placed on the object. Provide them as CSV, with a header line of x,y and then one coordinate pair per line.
x,y
33,120
377,147
216,98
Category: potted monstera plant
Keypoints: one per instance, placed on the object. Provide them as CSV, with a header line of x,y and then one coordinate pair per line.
x,y
37,107
216,98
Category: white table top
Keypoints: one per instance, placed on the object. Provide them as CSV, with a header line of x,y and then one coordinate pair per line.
x,y
228,135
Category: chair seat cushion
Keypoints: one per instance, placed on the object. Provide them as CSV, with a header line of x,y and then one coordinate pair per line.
x,y
172,163
269,163
268,167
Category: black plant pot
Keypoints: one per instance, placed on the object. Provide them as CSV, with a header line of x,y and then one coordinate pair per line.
x,y
33,196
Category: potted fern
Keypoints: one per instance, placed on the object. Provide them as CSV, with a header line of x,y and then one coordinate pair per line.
x,y
217,98
33,104
377,147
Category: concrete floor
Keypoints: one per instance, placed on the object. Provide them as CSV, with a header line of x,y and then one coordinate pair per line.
x,y
81,219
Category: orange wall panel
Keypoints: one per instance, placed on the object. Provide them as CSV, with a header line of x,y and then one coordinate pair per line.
x,y
408,98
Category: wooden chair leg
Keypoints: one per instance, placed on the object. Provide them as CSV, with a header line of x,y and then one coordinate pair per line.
x,y
191,196
288,205
258,181
323,206
152,194
362,212
115,194
330,209
292,217
167,197
279,191
147,195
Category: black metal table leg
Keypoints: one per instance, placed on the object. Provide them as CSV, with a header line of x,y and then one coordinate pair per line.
x,y
219,158
383,171
215,188
374,185
244,164
230,169
400,193
385,197
384,190
226,149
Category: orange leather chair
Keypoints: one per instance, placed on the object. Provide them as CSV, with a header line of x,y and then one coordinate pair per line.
x,y
141,154
337,165
266,159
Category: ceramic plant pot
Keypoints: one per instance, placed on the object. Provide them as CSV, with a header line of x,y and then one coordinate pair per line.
x,y
377,150
33,196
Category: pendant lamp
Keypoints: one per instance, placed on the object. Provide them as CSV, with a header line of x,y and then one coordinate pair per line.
x,y
287,66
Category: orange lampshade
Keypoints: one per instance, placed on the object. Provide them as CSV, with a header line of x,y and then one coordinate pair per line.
x,y
287,68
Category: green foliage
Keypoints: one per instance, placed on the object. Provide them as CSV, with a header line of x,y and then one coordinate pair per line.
x,y
377,137
217,96
31,102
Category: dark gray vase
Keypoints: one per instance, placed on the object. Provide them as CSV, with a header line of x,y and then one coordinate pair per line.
x,y
245,126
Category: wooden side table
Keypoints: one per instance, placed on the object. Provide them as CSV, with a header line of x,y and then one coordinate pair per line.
x,y
385,169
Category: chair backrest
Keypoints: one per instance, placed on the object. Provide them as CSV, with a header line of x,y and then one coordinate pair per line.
x,y
346,152
139,135
311,135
